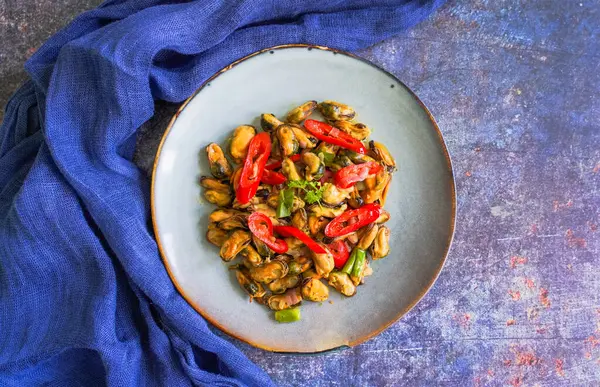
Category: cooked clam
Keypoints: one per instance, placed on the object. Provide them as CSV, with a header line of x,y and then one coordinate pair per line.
x,y
323,263
236,242
275,148
287,140
235,178
219,165
215,235
340,161
260,247
381,245
305,139
355,200
310,273
300,219
269,122
325,147
341,282
234,222
214,184
314,290
300,264
251,256
382,154
334,111
281,285
253,288
333,195
328,212
376,185
265,209
288,168
354,157
221,199
286,300
368,236
358,131
222,213
269,271
299,114
384,217
238,148
295,247
316,223
314,166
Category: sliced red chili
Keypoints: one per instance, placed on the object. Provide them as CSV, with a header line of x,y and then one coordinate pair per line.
x,y
254,166
352,174
261,226
272,177
277,164
291,231
352,220
332,135
340,252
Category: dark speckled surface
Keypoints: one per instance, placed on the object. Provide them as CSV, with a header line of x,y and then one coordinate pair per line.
x,y
514,86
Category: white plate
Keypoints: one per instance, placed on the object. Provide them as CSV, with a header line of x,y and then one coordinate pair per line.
x,y
421,199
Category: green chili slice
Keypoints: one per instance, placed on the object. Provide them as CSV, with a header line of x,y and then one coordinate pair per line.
x,y
288,315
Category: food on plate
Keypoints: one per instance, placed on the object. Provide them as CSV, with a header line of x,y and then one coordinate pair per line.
x,y
300,205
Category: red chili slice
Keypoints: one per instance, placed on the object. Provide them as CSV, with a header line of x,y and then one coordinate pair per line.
x,y
272,177
332,135
254,166
352,174
340,252
261,226
352,220
291,231
277,164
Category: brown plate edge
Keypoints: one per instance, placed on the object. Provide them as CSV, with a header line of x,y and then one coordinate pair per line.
x,y
361,340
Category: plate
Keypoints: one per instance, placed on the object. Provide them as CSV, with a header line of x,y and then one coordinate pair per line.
x,y
421,199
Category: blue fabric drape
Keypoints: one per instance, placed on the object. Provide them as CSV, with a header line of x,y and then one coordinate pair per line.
x,y
84,297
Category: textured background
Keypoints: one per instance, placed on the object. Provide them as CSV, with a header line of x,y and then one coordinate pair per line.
x,y
515,87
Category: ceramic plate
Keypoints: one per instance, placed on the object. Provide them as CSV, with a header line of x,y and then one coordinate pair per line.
x,y
421,199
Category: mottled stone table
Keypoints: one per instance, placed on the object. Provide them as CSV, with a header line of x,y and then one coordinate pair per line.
x,y
515,88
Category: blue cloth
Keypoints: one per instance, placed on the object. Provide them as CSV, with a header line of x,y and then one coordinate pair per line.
x,y
84,297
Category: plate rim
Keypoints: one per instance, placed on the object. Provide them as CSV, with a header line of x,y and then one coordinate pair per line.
x,y
424,288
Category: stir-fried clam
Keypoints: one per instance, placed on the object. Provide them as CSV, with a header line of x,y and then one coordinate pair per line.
x,y
358,131
288,143
253,288
269,122
299,114
219,166
341,282
286,300
269,271
236,242
238,148
310,185
334,111
314,290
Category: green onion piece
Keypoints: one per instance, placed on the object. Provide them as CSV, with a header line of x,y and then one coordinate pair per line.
x,y
350,262
288,315
286,201
359,263
327,158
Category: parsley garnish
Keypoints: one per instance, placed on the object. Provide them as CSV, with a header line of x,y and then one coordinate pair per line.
x,y
313,190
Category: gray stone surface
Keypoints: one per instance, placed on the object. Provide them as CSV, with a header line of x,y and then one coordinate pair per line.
x,y
514,86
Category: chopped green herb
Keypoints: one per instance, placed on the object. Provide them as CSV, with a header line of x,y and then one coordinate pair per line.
x,y
285,203
313,190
